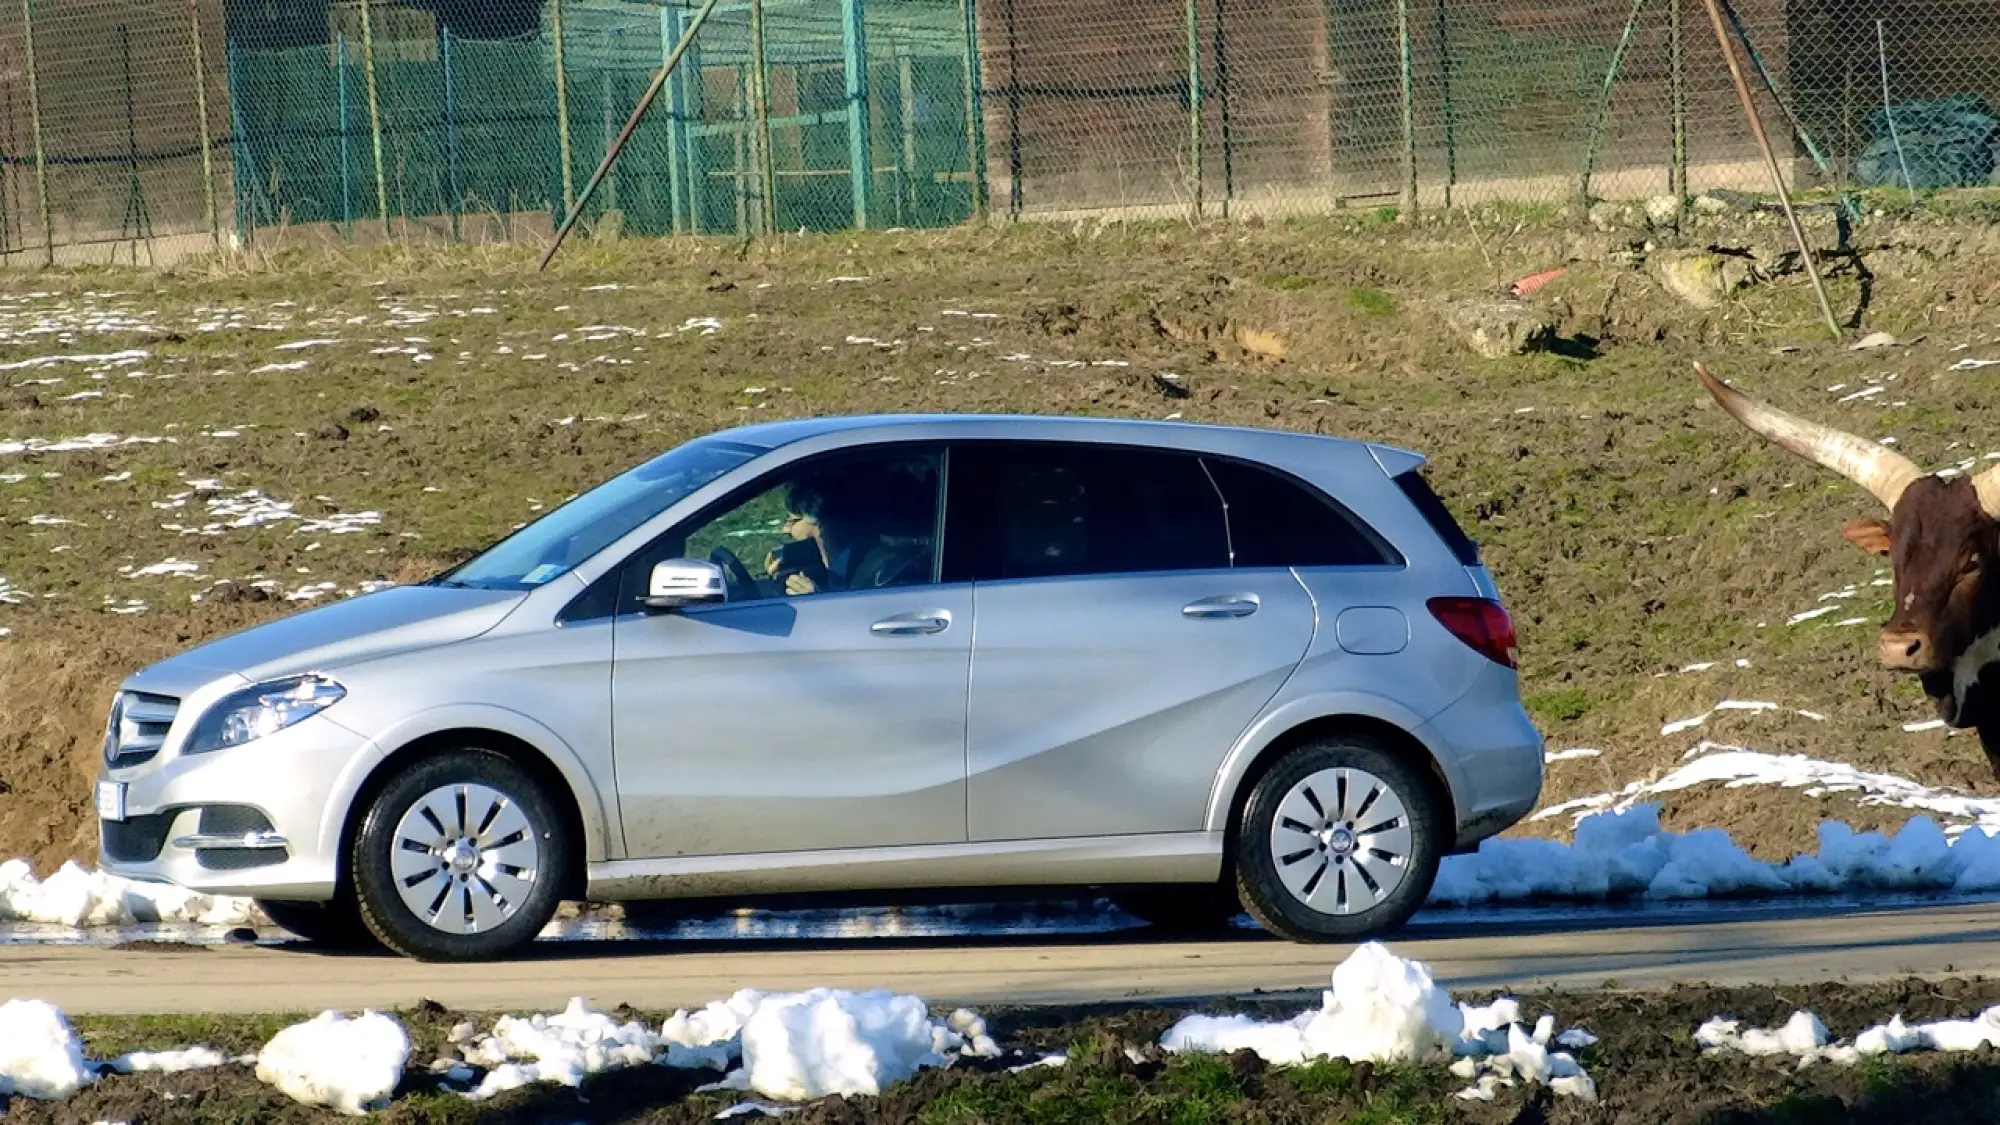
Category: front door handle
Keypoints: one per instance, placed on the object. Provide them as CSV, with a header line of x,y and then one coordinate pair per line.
x,y
1224,605
912,624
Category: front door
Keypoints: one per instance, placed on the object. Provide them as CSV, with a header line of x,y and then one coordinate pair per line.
x,y
1119,654
823,706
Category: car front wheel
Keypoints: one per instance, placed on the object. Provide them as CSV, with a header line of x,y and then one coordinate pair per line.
x,y
1338,842
460,857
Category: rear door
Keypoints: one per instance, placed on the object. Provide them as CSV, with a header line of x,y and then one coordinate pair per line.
x,y
1117,655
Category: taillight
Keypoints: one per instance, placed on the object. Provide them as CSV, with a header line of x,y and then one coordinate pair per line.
x,y
1482,624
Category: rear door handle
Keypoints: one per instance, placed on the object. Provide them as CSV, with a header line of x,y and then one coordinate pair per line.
x,y
912,624
1224,605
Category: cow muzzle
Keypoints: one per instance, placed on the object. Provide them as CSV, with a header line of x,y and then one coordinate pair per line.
x,y
1908,651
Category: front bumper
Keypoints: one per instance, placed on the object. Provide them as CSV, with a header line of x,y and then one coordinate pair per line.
x,y
251,820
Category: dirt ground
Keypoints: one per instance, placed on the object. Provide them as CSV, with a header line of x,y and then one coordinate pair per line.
x,y
1646,1067
1634,529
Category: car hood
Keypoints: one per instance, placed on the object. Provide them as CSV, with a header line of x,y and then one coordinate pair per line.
x,y
399,619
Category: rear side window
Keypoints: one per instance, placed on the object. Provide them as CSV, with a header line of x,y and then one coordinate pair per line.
x,y
1277,522
1038,510
1438,516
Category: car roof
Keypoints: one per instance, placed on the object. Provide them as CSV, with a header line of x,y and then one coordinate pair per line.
x,y
1052,427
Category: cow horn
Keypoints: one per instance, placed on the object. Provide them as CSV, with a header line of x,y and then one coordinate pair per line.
x,y
1987,485
1880,470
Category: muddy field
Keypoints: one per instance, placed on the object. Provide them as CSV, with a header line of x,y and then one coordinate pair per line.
x,y
221,445
1646,1067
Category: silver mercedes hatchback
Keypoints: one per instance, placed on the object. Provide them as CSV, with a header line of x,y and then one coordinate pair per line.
x,y
1196,669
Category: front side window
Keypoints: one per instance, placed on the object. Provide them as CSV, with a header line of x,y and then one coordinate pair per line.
x,y
861,522
552,545
1041,510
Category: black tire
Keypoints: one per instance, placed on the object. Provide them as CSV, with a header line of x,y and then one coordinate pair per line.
x,y
400,927
1200,909
1273,905
336,924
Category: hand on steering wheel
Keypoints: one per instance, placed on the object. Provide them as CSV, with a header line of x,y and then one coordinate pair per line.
x,y
742,586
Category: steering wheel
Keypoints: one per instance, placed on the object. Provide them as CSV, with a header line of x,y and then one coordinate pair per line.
x,y
736,576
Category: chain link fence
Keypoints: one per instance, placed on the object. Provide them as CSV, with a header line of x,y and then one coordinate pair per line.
x,y
145,130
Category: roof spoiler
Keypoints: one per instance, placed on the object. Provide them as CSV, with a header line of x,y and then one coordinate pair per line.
x,y
1395,462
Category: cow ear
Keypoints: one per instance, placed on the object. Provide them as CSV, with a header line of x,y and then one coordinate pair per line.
x,y
1871,536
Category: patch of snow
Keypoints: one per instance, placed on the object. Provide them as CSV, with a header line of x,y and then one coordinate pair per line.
x,y
71,444
1973,364
300,345
352,1065
1569,755
169,1062
1809,614
40,1055
108,359
294,365
168,566
1624,853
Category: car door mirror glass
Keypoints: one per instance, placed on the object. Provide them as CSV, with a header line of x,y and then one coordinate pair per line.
x,y
679,583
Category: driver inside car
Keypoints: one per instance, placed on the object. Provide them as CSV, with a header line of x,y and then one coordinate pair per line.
x,y
853,533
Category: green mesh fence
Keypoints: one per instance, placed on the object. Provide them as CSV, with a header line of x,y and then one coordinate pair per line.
x,y
152,128
866,110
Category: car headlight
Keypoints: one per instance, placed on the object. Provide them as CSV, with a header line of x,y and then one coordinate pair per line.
x,y
262,709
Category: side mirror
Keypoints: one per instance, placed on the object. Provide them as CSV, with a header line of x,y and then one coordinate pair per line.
x,y
679,583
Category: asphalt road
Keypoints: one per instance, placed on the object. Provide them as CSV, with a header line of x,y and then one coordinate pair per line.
x,y
1740,945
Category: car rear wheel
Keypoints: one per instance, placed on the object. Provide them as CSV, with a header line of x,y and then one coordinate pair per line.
x,y
1338,842
459,858
336,924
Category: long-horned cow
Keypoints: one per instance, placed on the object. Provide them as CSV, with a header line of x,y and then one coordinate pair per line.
x,y
1942,540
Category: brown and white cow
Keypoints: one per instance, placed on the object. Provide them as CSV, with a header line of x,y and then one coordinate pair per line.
x,y
1942,541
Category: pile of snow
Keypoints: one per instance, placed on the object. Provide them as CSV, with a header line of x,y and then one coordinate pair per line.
x,y
352,1065
790,1046
1805,1038
805,1045
565,1048
40,1056
1628,855
75,897
1384,1008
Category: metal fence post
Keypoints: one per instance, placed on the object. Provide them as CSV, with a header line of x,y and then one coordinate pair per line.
x,y
35,118
975,110
374,110
680,188
906,154
1194,103
1408,209
1677,172
562,113
201,111
1450,111
451,134
760,106
240,183
346,146
1220,36
860,143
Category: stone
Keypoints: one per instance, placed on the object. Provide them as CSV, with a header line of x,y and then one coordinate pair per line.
x,y
1704,278
1496,327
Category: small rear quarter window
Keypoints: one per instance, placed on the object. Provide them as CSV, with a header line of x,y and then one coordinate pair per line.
x,y
1426,500
1275,521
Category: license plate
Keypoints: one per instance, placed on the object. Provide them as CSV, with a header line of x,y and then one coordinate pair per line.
x,y
111,800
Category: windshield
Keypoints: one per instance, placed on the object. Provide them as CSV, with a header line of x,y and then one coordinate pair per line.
x,y
550,546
